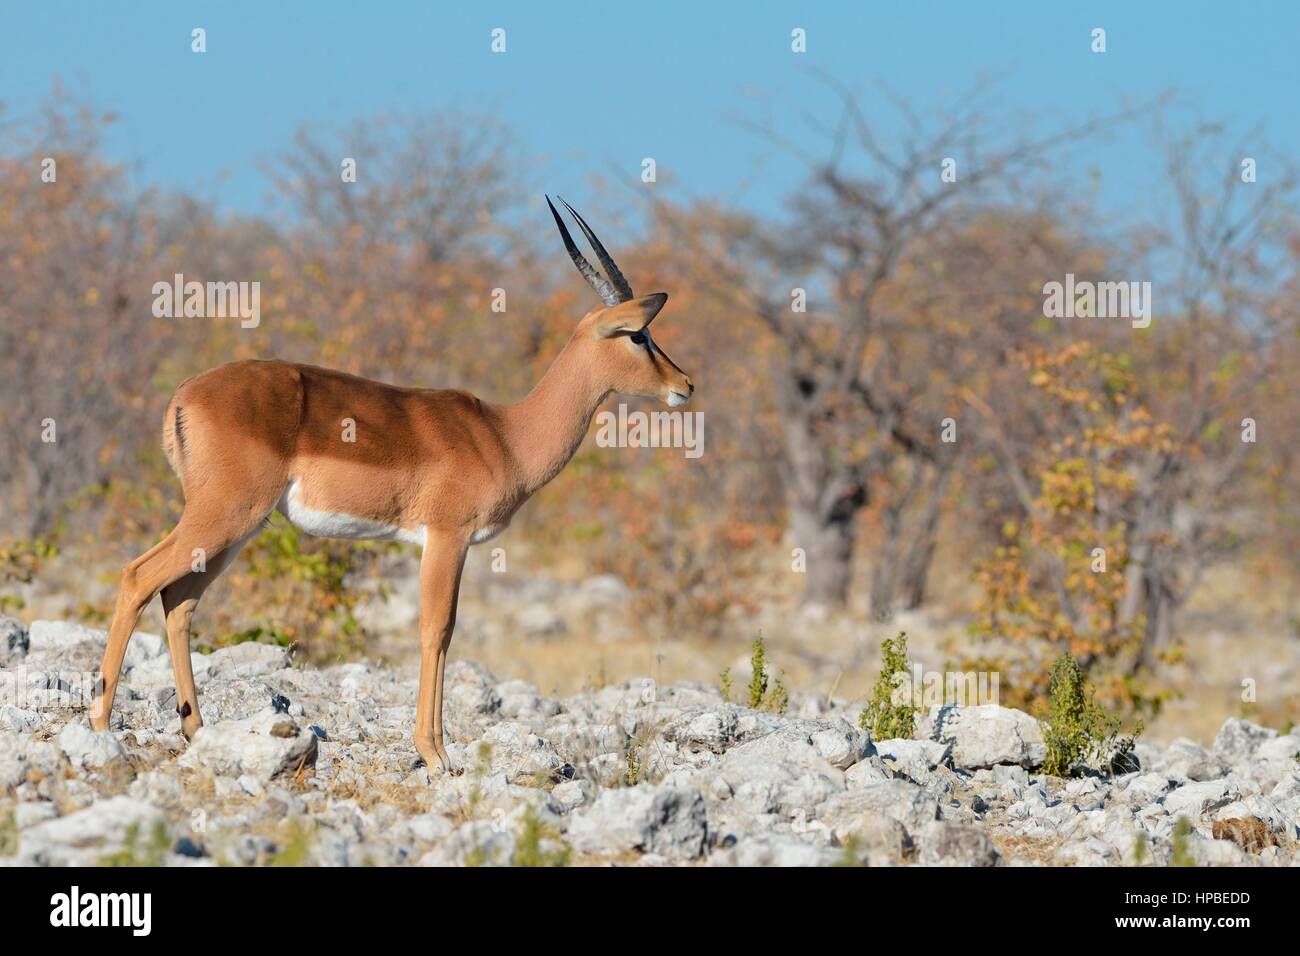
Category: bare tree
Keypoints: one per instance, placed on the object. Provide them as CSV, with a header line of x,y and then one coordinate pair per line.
x,y
847,405
437,182
1221,249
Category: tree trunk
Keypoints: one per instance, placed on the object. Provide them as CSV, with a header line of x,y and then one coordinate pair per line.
x,y
827,543
1160,606
885,574
903,558
823,498
915,575
916,566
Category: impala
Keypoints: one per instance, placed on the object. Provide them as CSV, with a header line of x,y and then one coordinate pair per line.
x,y
441,469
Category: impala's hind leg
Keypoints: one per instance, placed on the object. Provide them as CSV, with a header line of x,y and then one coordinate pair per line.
x,y
179,600
440,568
165,563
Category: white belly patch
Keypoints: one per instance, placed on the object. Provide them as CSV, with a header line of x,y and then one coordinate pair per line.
x,y
331,524
486,534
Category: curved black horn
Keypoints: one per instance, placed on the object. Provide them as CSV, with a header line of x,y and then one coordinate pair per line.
x,y
607,292
606,260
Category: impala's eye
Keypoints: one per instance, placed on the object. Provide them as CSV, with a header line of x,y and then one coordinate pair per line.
x,y
638,338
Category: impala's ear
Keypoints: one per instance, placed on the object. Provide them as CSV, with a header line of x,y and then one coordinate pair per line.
x,y
631,316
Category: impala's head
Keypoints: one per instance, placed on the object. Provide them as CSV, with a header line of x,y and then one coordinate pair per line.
x,y
617,335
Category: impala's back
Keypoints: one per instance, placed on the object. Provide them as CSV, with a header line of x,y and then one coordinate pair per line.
x,y
340,456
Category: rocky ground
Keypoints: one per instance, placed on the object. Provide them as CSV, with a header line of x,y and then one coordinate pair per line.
x,y
309,766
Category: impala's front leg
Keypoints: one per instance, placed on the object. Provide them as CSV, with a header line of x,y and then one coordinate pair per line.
x,y
444,556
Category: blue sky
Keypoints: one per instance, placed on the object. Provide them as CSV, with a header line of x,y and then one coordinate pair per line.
x,y
591,88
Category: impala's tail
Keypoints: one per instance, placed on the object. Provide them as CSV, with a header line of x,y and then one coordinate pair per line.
x,y
173,438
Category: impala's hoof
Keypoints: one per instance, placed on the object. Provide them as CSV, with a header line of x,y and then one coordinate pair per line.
x,y
434,763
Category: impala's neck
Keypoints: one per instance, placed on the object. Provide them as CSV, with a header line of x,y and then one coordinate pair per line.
x,y
545,428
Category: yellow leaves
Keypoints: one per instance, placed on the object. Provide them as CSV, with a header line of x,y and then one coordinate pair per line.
x,y
1050,589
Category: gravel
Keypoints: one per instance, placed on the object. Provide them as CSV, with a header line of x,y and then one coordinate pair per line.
x,y
317,766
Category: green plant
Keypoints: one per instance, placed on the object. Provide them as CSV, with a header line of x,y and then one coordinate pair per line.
x,y
758,673
724,684
778,699
20,560
632,762
851,854
296,848
891,713
1182,852
1077,729
297,585
1140,849
775,697
528,843
134,853
8,834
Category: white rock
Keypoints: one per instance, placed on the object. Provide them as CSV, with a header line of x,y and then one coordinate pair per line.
x,y
773,849
1279,820
1089,852
713,730
249,659
87,749
761,785
263,747
1193,799
840,743
430,827
871,770
1216,853
914,757
664,820
568,795
1141,789
17,718
1239,739
540,620
519,753
88,835
1288,788
941,843
1283,748
157,672
845,813
13,638
987,735
56,637
477,843
30,814
603,590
